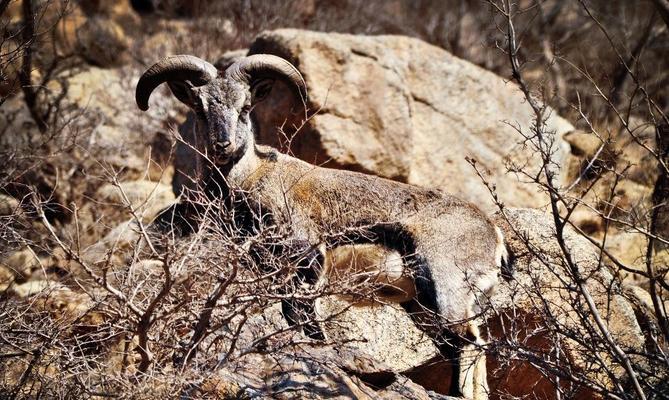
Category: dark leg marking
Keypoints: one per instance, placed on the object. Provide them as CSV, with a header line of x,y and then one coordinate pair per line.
x,y
450,346
309,265
424,309
307,261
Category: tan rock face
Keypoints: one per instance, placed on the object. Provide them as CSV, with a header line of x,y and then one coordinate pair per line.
x,y
100,133
98,98
406,110
96,31
21,263
8,205
146,198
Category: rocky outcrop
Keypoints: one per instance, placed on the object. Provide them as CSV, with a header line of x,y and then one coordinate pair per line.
x,y
92,31
541,309
388,105
146,198
315,372
385,333
96,133
96,106
337,369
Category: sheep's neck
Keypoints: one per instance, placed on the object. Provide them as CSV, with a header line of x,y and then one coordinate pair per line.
x,y
241,168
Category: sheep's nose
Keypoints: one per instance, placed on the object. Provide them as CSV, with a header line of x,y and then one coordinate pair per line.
x,y
224,144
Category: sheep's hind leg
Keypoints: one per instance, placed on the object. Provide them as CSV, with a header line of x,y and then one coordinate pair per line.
x,y
465,354
472,374
460,344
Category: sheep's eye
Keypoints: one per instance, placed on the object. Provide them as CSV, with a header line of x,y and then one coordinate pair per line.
x,y
261,90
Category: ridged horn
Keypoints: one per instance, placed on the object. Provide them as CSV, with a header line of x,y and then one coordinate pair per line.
x,y
250,67
173,68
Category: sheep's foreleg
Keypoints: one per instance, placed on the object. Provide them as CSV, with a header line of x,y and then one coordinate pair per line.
x,y
308,261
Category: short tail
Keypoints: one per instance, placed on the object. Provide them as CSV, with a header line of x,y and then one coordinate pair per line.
x,y
504,256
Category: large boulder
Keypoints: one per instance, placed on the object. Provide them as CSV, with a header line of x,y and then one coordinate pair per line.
x,y
316,372
382,331
287,366
403,109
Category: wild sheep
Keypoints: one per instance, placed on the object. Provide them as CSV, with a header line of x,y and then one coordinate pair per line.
x,y
452,250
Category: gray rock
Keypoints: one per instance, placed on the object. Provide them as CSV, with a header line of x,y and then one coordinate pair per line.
x,y
541,301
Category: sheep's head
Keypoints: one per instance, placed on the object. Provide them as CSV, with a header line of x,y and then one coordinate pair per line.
x,y
223,101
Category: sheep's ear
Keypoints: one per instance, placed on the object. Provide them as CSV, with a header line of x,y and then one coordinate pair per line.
x,y
261,90
184,91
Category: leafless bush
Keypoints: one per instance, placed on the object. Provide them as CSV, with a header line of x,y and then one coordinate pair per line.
x,y
159,306
608,365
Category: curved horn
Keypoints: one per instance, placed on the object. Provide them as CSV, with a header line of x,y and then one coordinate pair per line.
x,y
245,69
173,68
